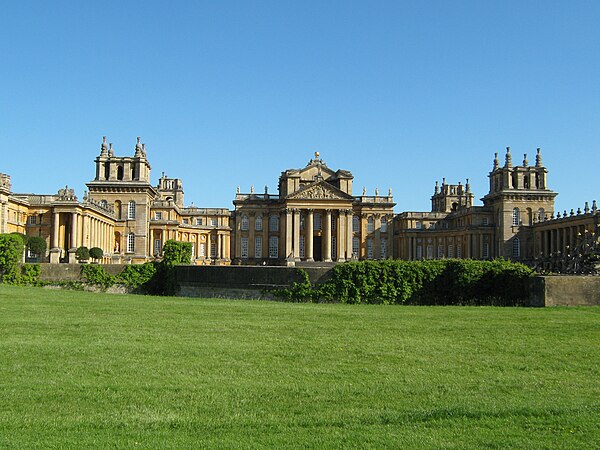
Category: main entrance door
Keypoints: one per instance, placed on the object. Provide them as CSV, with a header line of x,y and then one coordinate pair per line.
x,y
317,251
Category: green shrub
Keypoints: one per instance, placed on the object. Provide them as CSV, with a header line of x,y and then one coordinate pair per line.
x,y
82,253
96,275
26,274
430,282
177,253
11,253
37,246
137,275
96,253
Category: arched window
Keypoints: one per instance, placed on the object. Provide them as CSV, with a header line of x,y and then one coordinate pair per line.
x,y
245,225
541,214
131,210
258,223
130,243
384,225
516,217
516,247
370,224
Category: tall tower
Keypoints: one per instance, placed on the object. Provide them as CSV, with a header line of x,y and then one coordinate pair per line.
x,y
451,197
123,182
519,195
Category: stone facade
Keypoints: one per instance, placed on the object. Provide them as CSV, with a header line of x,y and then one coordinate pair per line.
x,y
313,218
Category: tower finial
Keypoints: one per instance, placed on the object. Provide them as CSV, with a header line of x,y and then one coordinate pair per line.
x,y
138,147
496,162
538,158
103,148
468,186
508,160
437,188
111,152
525,162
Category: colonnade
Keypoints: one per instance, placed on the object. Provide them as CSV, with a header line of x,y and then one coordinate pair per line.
x,y
431,246
561,239
84,230
220,240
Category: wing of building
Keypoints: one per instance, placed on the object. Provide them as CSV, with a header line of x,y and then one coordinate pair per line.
x,y
314,218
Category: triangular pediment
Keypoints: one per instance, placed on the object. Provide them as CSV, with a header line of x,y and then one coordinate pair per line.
x,y
320,190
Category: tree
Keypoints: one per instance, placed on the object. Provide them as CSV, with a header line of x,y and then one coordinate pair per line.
x,y
37,246
11,251
176,253
96,253
82,254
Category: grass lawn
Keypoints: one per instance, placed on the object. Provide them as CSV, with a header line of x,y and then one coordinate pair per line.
x,y
94,370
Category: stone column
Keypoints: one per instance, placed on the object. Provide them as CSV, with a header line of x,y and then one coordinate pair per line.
x,y
55,250
327,236
481,246
73,248
341,242
349,233
308,233
219,246
297,234
288,233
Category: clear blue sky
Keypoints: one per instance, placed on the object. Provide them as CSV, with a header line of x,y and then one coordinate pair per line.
x,y
223,93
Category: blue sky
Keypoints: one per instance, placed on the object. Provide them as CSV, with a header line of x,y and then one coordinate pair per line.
x,y
228,93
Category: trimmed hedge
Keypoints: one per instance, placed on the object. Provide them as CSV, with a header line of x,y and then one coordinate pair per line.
x,y
432,282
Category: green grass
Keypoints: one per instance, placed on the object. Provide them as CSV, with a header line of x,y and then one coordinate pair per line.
x,y
111,371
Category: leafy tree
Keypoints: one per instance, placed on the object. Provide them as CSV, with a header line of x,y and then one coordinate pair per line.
x,y
96,253
11,252
82,253
37,246
176,253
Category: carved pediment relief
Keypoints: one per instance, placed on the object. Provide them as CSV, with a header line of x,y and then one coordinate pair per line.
x,y
320,191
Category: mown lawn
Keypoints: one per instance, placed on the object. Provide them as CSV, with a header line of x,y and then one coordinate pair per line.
x,y
94,370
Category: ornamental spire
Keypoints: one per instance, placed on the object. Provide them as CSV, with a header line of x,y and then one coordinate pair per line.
x,y
103,148
538,158
508,159
496,162
138,147
525,162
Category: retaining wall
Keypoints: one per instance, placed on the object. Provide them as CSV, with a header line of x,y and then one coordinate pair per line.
x,y
565,290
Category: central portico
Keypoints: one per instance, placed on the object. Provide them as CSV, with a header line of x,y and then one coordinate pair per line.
x,y
314,217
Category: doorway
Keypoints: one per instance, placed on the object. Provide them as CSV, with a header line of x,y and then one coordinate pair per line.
x,y
317,251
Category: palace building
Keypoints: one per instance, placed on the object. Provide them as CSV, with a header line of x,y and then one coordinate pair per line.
x,y
314,218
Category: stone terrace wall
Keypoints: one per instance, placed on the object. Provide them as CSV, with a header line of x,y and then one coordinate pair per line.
x,y
71,272
245,282
565,290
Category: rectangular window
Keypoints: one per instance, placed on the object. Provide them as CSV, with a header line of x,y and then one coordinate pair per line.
x,y
419,225
199,221
355,247
383,248
370,248
485,221
440,253
258,247
450,251
459,251
486,250
158,215
333,247
384,225
302,247
430,251
213,247
130,243
355,224
157,247
202,250
186,221
419,252
258,223
244,247
32,220
317,221
214,222
274,247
